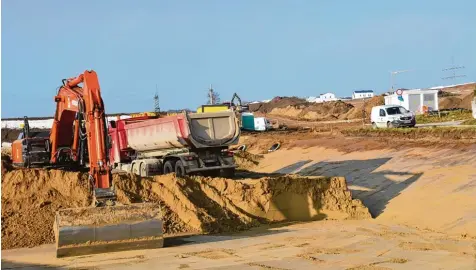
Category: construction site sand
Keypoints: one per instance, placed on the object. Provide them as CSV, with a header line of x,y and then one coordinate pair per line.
x,y
326,111
30,198
211,205
429,187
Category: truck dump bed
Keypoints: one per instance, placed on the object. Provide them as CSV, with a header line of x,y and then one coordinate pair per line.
x,y
195,130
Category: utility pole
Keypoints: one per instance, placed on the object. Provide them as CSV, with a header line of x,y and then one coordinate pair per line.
x,y
392,74
453,68
211,95
156,100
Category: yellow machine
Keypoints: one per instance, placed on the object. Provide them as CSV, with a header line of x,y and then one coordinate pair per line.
x,y
213,108
238,107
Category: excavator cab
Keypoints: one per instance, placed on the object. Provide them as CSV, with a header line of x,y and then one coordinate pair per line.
x,y
30,149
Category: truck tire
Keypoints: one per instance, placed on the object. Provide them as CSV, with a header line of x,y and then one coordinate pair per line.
x,y
168,167
228,173
179,169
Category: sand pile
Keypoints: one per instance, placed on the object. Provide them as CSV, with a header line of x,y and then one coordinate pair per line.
x,y
278,102
246,160
357,111
31,197
456,102
450,102
326,111
212,205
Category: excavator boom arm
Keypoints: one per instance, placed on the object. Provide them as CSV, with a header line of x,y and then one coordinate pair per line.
x,y
76,104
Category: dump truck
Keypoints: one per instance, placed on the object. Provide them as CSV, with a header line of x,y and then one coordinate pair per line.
x,y
78,140
186,143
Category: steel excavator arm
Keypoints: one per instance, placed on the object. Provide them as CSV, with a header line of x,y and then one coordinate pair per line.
x,y
235,95
80,117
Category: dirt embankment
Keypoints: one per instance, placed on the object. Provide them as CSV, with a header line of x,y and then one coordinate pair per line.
x,y
446,133
326,111
457,97
211,205
359,139
456,102
298,109
278,102
246,160
30,198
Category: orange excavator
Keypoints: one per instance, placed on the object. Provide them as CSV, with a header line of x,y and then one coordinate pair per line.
x,y
78,139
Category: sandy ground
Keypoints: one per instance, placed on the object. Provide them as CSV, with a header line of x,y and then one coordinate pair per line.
x,y
365,244
422,201
426,188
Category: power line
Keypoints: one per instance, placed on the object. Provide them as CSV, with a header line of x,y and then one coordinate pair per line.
x,y
453,68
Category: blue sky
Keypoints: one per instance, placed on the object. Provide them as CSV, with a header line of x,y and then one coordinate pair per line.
x,y
259,49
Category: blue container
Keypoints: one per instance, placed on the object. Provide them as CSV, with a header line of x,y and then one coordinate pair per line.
x,y
247,121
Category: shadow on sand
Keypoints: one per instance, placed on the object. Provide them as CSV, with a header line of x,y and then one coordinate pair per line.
x,y
374,188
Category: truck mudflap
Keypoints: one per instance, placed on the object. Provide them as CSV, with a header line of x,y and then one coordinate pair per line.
x,y
92,230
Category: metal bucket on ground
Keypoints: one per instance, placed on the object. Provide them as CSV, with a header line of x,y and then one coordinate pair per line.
x,y
91,230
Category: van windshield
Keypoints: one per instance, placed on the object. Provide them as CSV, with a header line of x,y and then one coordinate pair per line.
x,y
396,110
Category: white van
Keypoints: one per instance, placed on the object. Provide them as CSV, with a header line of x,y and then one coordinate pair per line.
x,y
388,116
262,124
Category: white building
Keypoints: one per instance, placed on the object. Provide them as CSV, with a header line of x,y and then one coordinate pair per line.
x,y
414,100
314,99
362,94
327,97
323,98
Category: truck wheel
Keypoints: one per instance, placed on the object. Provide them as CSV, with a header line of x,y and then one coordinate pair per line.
x,y
374,125
179,169
389,125
168,168
228,173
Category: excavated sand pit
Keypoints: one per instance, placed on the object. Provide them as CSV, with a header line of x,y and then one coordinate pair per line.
x,y
31,197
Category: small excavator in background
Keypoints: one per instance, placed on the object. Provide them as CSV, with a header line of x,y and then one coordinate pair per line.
x,y
78,139
237,107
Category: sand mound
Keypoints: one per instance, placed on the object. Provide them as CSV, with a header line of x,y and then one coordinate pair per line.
x,y
358,110
247,160
30,199
211,205
460,101
326,111
449,102
277,102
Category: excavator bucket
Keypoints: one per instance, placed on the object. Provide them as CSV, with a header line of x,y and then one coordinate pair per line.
x,y
91,230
